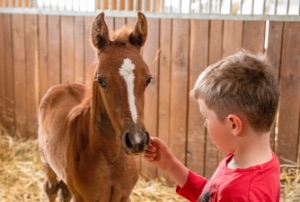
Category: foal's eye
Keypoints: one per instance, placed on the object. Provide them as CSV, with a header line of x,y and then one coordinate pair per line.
x,y
101,82
149,79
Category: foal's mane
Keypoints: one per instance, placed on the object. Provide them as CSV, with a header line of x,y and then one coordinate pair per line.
x,y
121,35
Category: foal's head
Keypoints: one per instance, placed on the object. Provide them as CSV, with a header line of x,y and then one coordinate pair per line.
x,y
122,77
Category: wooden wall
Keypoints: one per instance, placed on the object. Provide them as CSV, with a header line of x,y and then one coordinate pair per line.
x,y
38,51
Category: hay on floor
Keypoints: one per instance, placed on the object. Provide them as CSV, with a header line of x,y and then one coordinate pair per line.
x,y
21,176
290,181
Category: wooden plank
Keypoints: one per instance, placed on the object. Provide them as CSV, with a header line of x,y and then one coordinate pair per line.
x,y
19,74
273,52
131,22
31,74
198,62
164,81
150,55
119,23
43,54
215,41
54,54
179,88
233,37
254,36
232,43
2,74
67,49
212,153
9,122
288,124
89,50
79,49
275,45
110,24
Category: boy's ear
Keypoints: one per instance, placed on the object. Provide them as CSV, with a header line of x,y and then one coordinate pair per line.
x,y
235,124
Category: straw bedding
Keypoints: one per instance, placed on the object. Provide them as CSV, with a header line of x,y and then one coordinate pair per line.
x,y
21,177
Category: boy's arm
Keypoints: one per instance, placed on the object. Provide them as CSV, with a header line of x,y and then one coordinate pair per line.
x,y
193,187
190,185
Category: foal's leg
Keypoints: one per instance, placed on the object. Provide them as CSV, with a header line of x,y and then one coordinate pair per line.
x,y
64,194
51,184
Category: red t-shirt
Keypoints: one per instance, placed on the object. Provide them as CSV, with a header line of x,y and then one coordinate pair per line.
x,y
260,183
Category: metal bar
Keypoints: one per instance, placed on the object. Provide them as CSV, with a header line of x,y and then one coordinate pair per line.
x,y
151,5
241,7
221,4
162,6
209,7
216,6
290,18
264,8
119,5
252,7
126,5
96,5
110,5
65,5
102,4
180,6
199,6
287,7
135,5
143,5
275,7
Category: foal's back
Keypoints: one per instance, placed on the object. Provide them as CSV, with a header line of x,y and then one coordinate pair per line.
x,y
55,110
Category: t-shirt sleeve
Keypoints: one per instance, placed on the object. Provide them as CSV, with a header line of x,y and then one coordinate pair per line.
x,y
193,187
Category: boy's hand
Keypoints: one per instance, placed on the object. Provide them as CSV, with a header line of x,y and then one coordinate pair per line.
x,y
159,155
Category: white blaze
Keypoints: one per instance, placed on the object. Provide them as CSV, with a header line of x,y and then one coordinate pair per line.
x,y
126,71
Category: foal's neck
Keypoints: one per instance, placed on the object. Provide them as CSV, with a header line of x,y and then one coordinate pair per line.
x,y
103,137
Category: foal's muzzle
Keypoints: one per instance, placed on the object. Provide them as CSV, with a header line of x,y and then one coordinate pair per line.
x,y
135,142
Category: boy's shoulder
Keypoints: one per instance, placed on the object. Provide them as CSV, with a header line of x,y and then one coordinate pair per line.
x,y
256,182
268,168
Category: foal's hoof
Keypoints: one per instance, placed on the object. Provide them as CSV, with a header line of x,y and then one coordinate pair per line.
x,y
64,194
50,189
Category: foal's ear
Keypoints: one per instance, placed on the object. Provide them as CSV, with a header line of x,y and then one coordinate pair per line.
x,y
100,35
139,34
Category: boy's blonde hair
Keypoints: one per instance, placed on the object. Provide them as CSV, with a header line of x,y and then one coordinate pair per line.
x,y
241,84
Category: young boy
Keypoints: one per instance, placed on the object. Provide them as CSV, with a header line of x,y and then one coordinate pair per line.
x,y
238,98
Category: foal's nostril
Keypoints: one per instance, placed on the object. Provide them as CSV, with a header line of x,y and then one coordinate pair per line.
x,y
135,142
127,141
